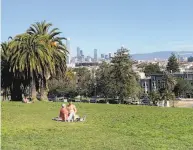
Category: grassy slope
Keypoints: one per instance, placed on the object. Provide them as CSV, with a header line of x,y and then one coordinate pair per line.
x,y
108,127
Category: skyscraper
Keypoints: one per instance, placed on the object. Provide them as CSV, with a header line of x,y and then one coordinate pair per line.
x,y
81,53
110,55
102,56
69,50
106,56
95,55
78,53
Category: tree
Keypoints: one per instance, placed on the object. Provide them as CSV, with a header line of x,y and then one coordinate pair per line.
x,y
183,87
154,97
170,82
6,75
85,81
104,81
54,41
123,78
190,59
31,59
172,64
63,86
152,69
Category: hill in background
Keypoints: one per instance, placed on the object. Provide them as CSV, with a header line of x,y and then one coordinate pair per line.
x,y
161,55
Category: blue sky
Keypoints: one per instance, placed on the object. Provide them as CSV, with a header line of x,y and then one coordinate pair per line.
x,y
140,25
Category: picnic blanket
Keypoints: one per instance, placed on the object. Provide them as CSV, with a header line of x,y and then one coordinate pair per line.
x,y
77,119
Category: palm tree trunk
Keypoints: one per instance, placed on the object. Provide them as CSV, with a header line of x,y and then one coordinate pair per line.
x,y
16,92
33,91
4,94
43,90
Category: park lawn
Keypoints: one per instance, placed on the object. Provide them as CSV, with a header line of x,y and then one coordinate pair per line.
x,y
108,127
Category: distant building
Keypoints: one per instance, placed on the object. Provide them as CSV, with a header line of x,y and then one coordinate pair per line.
x,y
69,51
81,52
106,57
95,55
110,55
88,59
78,52
156,82
102,56
86,64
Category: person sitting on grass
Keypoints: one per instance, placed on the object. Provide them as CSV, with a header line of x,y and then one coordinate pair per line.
x,y
25,100
63,115
72,111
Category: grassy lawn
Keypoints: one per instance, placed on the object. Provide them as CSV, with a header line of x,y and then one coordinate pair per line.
x,y
108,127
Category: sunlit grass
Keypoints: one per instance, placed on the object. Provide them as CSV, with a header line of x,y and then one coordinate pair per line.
x,y
108,127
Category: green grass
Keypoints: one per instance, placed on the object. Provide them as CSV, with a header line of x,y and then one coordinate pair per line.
x,y
108,127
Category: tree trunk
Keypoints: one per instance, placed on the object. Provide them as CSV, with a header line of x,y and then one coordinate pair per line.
x,y
33,91
43,90
43,94
16,92
4,95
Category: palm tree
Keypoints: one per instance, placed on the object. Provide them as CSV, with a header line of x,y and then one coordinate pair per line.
x,y
54,43
31,60
6,76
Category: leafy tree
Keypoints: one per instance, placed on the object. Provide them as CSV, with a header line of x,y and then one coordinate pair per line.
x,y
154,97
64,86
141,65
183,87
167,92
151,69
168,96
104,81
172,64
85,81
124,80
190,59
170,81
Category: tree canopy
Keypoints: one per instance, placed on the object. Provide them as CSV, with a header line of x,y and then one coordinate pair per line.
x,y
151,69
31,58
190,59
173,64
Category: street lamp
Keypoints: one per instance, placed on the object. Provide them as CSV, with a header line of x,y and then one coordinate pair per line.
x,y
95,85
78,85
79,93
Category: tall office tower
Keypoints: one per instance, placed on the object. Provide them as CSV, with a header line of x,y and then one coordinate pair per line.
x,y
106,57
78,52
95,55
69,50
102,56
81,53
82,58
110,55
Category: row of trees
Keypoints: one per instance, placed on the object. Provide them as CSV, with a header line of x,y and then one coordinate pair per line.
x,y
117,80
30,59
110,80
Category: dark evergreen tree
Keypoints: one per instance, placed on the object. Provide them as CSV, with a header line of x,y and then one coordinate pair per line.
x,y
173,65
